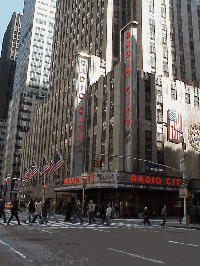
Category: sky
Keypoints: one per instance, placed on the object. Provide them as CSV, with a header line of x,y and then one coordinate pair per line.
x,y
8,7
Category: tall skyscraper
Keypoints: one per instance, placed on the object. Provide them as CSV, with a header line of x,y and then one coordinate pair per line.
x,y
31,77
106,127
8,62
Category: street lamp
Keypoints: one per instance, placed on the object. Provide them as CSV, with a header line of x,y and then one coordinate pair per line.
x,y
182,166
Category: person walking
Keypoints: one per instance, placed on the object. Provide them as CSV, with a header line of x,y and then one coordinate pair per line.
x,y
44,213
78,212
38,211
91,209
31,211
146,216
52,211
2,210
108,214
116,211
68,210
103,213
14,212
164,216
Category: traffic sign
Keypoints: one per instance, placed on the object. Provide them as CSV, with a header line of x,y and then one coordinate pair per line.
x,y
182,193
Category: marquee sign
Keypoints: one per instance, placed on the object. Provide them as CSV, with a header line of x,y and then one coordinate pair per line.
x,y
194,136
129,57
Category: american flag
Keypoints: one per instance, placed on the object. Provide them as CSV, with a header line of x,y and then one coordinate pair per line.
x,y
175,126
26,173
45,167
33,171
56,164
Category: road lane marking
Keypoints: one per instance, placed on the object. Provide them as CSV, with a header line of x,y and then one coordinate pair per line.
x,y
19,253
183,243
137,256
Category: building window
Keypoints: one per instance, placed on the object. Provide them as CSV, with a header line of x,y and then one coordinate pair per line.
x,y
187,98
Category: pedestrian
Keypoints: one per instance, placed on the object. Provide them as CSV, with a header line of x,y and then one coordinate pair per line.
x,y
44,213
38,212
108,215
52,211
31,211
68,212
103,213
2,210
164,216
181,214
198,213
116,210
14,212
91,209
146,216
78,212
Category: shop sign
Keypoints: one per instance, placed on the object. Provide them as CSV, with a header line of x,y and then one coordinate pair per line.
x,y
77,180
155,180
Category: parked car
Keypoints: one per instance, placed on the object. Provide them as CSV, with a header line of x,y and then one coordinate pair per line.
x,y
8,205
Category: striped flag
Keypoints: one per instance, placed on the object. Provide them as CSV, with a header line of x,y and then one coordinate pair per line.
x,y
26,173
56,164
33,171
45,167
175,126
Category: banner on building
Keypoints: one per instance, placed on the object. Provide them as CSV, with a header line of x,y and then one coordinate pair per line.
x,y
174,126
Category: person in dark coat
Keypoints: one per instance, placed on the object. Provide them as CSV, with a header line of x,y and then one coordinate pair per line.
x,y
146,216
31,211
78,212
2,210
164,216
68,210
103,213
44,213
14,212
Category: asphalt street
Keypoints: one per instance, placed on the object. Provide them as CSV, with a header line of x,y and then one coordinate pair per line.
x,y
124,242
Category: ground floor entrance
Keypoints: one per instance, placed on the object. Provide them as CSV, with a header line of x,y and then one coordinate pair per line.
x,y
129,202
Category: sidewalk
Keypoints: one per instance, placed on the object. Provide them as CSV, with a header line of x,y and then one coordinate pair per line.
x,y
178,225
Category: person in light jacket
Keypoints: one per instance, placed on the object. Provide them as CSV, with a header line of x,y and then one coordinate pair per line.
x,y
108,214
38,211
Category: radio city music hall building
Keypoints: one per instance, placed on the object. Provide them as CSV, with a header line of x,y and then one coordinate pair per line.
x,y
115,118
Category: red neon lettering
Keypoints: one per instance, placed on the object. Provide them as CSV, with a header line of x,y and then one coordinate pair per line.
x,y
128,53
80,110
79,136
173,181
168,181
92,175
68,181
128,44
177,181
128,34
127,99
133,178
128,63
153,180
76,180
127,110
81,179
80,118
158,180
80,126
147,179
127,90
128,72
65,181
127,122
140,180
72,180
88,177
81,95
